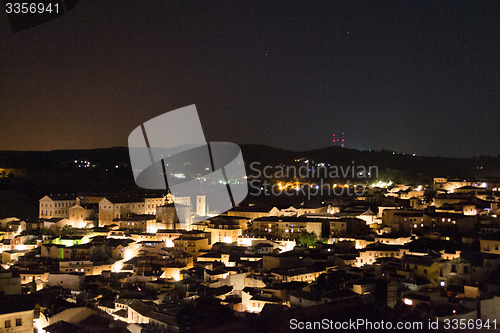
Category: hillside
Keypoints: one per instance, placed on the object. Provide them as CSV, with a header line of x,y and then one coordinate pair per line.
x,y
30,175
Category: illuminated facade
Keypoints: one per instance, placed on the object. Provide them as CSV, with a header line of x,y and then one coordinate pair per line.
x,y
55,206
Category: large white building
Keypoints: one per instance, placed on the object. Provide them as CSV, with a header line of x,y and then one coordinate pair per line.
x,y
111,208
56,206
81,210
118,207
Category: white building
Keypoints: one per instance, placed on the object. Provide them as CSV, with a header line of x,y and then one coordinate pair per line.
x,y
81,214
111,208
15,315
56,206
118,207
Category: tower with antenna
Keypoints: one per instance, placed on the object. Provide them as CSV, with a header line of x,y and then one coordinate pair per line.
x,y
338,140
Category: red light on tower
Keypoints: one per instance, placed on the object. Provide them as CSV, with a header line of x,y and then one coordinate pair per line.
x,y
335,139
339,140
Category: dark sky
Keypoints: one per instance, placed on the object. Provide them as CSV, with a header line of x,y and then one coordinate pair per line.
x,y
417,77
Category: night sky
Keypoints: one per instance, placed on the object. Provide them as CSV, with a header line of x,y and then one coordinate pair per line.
x,y
416,77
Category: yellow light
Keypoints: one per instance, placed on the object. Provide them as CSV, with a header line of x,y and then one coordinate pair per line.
x,y
117,267
128,254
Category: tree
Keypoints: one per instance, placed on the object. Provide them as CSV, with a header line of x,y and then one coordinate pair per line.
x,y
47,232
307,239
67,230
32,285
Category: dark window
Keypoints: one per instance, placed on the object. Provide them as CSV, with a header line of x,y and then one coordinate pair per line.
x,y
453,268
19,322
7,324
466,269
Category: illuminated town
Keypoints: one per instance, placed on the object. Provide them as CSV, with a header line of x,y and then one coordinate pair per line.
x,y
249,166
397,252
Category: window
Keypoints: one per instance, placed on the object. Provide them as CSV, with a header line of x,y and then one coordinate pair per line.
x,y
19,322
7,324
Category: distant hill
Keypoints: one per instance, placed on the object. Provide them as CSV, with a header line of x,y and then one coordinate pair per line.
x,y
110,167
402,167
28,174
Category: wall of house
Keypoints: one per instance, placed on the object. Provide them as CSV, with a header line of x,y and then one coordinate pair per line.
x,y
490,309
17,322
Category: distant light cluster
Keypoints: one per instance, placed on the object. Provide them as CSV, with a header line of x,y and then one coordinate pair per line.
x,y
84,164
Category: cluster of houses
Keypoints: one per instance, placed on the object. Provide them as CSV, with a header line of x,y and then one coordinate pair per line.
x,y
125,263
